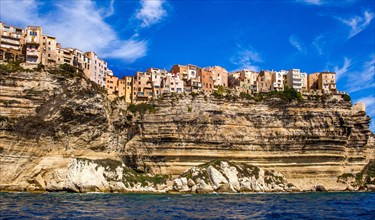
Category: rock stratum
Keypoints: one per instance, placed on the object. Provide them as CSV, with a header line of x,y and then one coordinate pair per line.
x,y
58,131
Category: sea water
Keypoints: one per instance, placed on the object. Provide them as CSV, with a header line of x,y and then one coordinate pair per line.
x,y
344,205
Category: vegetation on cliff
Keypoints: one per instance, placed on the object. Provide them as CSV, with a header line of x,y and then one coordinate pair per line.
x,y
11,67
362,179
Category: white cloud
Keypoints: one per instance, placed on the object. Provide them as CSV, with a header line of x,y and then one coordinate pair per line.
x,y
319,44
357,23
247,58
129,50
78,24
312,2
344,69
298,44
326,2
11,11
151,12
364,78
108,11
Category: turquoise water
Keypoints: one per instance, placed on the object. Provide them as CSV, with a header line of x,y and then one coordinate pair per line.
x,y
346,205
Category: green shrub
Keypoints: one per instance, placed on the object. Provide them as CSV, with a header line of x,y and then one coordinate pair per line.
x,y
141,108
346,97
4,118
258,97
12,66
194,94
245,95
190,108
68,68
39,67
290,94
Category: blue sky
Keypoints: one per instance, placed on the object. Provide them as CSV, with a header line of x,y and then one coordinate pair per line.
x,y
312,35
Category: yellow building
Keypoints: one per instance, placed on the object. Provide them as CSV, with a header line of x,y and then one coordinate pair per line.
x,y
49,51
33,44
112,86
327,82
128,88
142,87
11,41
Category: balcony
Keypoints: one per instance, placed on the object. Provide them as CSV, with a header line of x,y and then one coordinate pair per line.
x,y
13,42
32,53
32,40
11,36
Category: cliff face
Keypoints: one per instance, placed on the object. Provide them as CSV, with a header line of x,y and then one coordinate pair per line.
x,y
311,142
47,120
50,121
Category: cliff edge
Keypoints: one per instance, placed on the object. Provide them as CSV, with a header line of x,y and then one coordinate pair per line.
x,y
58,131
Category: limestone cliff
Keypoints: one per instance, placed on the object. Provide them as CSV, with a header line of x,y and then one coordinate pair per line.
x,y
310,142
57,130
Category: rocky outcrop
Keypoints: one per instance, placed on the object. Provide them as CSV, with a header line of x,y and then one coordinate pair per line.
x,y
57,129
224,176
49,118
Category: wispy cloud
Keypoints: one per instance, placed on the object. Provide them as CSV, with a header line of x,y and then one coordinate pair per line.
x,y
311,2
23,12
247,58
357,23
73,23
326,2
129,50
151,12
340,71
364,78
110,10
319,44
297,43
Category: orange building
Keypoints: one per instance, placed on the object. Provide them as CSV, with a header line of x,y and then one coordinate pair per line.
x,y
219,76
186,72
207,81
264,81
112,83
313,81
